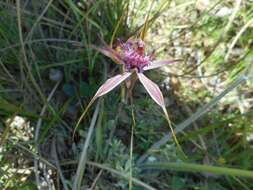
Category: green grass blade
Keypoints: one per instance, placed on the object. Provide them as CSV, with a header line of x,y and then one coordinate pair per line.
x,y
135,181
201,168
100,133
83,158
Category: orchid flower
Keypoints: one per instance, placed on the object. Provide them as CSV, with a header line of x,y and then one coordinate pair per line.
x,y
132,57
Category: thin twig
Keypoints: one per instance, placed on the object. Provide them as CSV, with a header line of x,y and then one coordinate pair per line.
x,y
232,17
244,28
131,144
95,180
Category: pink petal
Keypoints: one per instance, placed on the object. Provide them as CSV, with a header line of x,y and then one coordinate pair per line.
x,y
109,52
152,89
111,83
156,64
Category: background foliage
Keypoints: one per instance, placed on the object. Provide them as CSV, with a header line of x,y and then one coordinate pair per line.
x,y
49,73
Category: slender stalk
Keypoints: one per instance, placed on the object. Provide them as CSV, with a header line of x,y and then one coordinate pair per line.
x,y
131,145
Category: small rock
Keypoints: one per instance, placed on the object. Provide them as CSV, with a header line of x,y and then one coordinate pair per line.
x,y
224,11
55,75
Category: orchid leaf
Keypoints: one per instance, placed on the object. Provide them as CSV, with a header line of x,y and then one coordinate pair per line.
x,y
160,63
152,89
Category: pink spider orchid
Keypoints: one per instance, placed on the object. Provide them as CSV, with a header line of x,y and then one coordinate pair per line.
x,y
132,56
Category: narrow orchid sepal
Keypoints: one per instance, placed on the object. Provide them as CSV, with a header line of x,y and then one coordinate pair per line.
x,y
111,83
109,52
152,89
160,63
108,86
172,132
157,96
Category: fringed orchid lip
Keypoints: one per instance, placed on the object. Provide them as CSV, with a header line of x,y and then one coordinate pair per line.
x,y
133,60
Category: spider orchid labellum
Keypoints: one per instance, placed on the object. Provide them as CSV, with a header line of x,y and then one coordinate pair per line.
x,y
132,56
